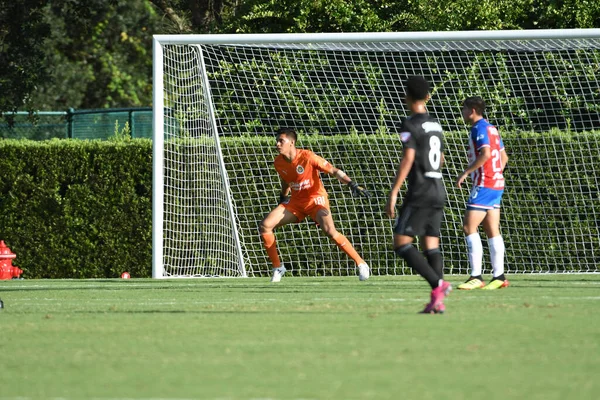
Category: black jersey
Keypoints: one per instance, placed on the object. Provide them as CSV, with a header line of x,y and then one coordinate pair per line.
x,y
423,133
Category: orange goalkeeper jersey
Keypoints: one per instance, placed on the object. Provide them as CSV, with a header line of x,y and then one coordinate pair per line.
x,y
302,174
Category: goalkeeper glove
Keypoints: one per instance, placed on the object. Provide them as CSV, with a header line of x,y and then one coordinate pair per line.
x,y
358,190
283,199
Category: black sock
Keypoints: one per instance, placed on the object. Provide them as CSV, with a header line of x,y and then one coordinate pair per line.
x,y
475,277
416,261
499,278
434,257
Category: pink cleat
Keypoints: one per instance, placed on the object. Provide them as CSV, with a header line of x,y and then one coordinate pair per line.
x,y
441,308
436,305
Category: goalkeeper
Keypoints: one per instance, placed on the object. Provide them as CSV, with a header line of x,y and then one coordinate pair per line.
x,y
299,171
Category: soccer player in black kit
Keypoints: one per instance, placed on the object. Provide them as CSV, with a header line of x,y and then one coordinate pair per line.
x,y
422,208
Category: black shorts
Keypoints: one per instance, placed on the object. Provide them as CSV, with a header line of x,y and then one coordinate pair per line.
x,y
413,221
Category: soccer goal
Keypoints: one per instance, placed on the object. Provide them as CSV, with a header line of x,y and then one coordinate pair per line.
x,y
218,99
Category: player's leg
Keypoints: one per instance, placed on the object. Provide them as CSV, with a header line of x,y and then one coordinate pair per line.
x,y
322,216
431,245
491,227
431,249
410,223
404,247
279,216
431,241
472,219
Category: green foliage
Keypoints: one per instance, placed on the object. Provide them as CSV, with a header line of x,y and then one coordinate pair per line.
x,y
121,134
443,15
537,203
100,51
77,209
320,95
22,67
82,209
101,54
278,73
252,16
566,14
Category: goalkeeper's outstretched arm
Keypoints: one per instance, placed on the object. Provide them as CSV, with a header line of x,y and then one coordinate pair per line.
x,y
357,190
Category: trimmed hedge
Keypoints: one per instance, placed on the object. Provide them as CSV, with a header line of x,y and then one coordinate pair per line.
x,y
550,212
77,209
82,209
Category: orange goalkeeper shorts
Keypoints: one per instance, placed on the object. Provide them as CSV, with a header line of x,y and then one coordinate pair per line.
x,y
305,207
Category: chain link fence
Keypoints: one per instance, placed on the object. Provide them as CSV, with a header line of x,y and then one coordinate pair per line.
x,y
78,124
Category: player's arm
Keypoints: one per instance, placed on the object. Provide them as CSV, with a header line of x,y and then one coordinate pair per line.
x,y
340,175
408,159
503,158
357,190
284,194
484,154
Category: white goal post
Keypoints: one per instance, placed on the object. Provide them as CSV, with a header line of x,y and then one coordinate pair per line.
x,y
218,99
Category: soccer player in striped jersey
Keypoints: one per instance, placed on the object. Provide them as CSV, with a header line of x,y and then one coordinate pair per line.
x,y
299,171
422,208
487,159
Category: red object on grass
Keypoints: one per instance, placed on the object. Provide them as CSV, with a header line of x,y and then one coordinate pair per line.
x,y
7,270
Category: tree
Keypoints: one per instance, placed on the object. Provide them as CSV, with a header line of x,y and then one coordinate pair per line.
x,y
253,16
101,54
22,32
264,16
443,15
193,16
97,53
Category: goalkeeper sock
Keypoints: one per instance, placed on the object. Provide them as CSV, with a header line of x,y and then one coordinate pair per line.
x,y
496,245
416,261
434,257
343,243
475,252
271,245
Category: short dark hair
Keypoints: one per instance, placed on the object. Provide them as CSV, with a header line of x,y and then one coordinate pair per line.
x,y
417,88
475,102
289,132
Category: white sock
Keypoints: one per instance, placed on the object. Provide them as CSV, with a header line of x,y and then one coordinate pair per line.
x,y
475,252
497,254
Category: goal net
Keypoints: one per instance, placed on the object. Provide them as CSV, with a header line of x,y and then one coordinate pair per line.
x,y
218,99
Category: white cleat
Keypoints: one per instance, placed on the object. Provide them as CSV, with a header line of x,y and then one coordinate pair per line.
x,y
278,273
363,272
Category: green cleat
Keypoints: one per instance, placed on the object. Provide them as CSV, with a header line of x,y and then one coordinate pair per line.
x,y
472,284
496,284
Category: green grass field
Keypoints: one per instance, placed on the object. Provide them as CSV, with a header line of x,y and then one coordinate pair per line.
x,y
304,338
